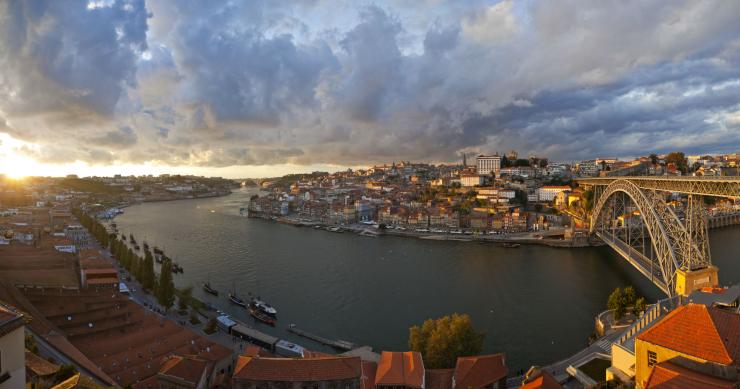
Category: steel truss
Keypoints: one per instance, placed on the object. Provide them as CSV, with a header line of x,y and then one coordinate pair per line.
x,y
643,228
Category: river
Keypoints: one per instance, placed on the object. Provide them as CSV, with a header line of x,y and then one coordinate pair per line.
x,y
535,303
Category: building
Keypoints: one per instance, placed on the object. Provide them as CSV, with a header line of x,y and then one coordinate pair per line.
x,y
697,337
468,180
540,379
400,370
480,372
548,193
283,373
488,164
669,375
180,372
12,349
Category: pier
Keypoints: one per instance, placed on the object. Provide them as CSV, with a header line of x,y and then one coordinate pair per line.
x,y
338,344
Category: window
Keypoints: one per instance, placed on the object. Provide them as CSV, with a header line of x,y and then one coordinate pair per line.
x,y
652,358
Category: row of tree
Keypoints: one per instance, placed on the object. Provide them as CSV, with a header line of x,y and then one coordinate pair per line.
x,y
142,269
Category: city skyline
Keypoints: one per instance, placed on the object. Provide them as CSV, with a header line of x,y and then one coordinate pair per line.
x,y
270,88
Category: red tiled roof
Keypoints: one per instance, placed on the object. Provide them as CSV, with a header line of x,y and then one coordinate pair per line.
x,y
185,368
102,281
694,329
400,369
368,374
297,370
479,371
438,378
9,320
666,375
543,381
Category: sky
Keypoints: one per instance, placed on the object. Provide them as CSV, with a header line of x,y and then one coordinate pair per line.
x,y
263,88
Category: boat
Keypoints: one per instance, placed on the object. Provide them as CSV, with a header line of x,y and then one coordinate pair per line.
x,y
262,311
136,247
157,250
176,268
511,245
146,246
236,300
209,289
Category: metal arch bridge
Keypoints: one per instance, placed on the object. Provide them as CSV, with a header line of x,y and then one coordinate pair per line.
x,y
632,216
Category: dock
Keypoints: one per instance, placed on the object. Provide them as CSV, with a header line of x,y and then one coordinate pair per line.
x,y
338,344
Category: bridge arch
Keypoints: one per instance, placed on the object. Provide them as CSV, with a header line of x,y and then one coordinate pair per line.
x,y
657,220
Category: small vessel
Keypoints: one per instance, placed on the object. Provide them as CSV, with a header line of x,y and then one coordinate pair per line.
x,y
136,247
176,268
209,289
236,300
262,311
157,250
335,229
511,245
146,246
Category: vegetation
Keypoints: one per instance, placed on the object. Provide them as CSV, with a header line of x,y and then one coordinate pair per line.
x,y
184,298
441,341
166,289
679,159
194,317
148,279
64,372
210,326
622,299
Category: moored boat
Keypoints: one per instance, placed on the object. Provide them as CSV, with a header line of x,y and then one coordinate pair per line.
x,y
511,245
209,289
236,300
262,311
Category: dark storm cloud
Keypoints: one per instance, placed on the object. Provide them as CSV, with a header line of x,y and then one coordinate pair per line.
x,y
268,82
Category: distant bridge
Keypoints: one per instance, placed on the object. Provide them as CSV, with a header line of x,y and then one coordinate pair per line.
x,y
668,245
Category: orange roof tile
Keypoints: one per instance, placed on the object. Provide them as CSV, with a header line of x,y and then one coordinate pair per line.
x,y
186,368
438,378
694,329
543,381
400,369
479,371
368,374
666,375
297,370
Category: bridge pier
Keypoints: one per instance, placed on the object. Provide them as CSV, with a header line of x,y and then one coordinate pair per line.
x,y
688,281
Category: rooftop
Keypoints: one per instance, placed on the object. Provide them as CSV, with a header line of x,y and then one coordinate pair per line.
x,y
700,331
479,371
10,319
297,370
400,369
666,375
188,369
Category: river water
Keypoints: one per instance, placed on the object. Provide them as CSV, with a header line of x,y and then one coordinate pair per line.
x,y
537,304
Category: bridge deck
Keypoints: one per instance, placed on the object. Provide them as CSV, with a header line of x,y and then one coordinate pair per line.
x,y
707,186
636,259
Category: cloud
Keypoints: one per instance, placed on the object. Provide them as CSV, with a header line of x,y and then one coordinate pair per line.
x,y
272,82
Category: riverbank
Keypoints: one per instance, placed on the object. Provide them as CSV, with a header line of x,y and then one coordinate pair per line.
x,y
550,238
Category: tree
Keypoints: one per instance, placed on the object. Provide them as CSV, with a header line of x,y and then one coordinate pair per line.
x,y
64,372
184,299
679,159
166,289
653,159
616,303
630,296
147,271
441,341
640,305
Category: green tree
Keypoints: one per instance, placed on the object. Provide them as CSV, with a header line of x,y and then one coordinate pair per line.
x,y
166,289
183,300
441,341
147,271
64,372
640,305
630,296
616,302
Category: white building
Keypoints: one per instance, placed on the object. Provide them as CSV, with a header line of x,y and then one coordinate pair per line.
x,y
12,349
471,180
548,193
488,164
